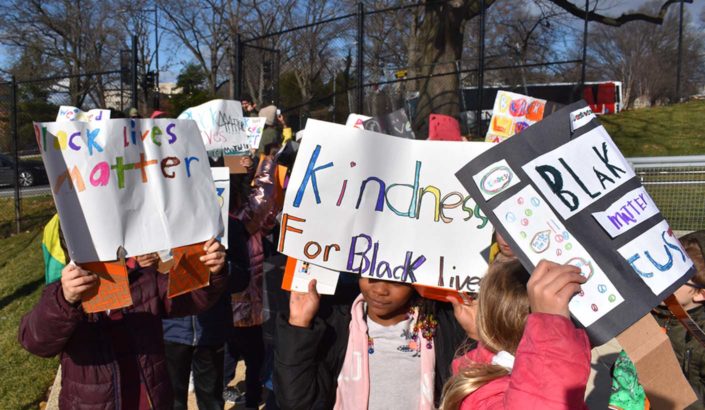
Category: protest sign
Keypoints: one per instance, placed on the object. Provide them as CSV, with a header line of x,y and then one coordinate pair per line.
x,y
443,128
113,290
144,185
221,125
188,272
384,207
571,197
254,126
69,113
356,121
221,180
298,274
513,113
395,123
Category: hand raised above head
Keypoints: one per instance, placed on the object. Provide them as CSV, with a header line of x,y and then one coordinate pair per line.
x,y
551,287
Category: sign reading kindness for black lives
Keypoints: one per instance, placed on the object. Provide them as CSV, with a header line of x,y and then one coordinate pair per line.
x,y
562,191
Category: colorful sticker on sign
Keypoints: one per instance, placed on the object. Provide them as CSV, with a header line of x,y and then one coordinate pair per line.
x,y
540,235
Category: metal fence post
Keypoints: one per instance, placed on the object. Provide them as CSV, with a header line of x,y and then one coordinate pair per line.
x,y
680,56
13,131
360,56
480,69
585,34
134,73
239,64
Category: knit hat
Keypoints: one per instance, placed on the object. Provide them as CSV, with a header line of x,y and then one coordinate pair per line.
x,y
269,112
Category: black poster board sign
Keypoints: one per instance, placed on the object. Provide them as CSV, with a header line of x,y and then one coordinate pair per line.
x,y
395,123
562,191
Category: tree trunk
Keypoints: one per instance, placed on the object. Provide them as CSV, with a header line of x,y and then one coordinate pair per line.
x,y
439,45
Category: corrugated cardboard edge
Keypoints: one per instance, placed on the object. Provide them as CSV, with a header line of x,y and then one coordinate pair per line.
x,y
657,367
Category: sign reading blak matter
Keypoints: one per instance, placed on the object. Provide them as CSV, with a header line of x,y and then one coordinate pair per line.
x,y
385,207
562,191
144,185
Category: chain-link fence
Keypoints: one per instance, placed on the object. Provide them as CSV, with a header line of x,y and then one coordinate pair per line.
x,y
25,195
374,61
677,185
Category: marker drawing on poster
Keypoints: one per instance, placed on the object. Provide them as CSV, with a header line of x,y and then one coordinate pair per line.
x,y
627,212
533,225
399,214
657,257
69,113
221,125
578,173
395,123
513,113
144,185
563,192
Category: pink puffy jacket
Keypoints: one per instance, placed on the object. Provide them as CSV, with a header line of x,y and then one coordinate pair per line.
x,y
550,371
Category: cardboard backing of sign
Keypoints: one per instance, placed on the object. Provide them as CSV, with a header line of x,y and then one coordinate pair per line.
x,y
234,163
551,194
656,365
188,272
113,290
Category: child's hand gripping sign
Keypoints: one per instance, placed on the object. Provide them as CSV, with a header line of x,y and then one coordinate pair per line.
x,y
143,185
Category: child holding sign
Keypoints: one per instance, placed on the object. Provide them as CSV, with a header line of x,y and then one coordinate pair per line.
x,y
115,359
530,355
691,296
389,350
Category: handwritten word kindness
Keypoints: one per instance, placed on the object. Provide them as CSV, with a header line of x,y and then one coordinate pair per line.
x,y
384,198
90,142
384,207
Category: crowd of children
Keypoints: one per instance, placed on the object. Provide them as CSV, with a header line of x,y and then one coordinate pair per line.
x,y
375,344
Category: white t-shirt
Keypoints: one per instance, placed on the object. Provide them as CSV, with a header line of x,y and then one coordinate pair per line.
x,y
395,367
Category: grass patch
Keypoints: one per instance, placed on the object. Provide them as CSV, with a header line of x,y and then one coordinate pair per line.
x,y
672,130
35,212
26,378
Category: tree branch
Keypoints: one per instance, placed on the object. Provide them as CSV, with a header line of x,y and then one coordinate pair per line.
x,y
624,18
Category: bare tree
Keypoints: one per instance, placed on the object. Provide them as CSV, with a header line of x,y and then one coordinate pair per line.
x,y
642,56
202,26
76,37
439,44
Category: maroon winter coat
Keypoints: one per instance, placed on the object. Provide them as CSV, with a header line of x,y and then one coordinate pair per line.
x,y
89,370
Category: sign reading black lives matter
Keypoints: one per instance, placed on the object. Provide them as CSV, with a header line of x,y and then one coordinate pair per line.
x,y
562,191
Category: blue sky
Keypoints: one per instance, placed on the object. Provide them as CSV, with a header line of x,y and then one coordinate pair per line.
x,y
172,59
